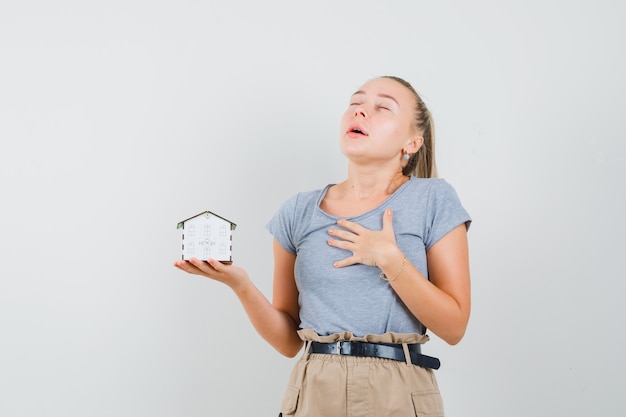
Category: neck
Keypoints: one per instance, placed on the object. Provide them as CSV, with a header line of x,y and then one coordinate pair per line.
x,y
365,185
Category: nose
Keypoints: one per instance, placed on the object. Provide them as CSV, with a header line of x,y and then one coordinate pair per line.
x,y
359,111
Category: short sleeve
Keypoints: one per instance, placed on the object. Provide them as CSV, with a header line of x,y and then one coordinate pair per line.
x,y
444,213
281,225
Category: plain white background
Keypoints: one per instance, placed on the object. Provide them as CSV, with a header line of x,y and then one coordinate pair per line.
x,y
120,118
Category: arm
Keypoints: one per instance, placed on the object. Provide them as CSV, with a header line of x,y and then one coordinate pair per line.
x,y
275,322
285,296
441,304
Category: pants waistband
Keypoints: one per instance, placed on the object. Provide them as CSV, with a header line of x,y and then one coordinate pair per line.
x,y
376,350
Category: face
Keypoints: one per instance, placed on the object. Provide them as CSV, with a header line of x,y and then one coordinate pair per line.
x,y
378,124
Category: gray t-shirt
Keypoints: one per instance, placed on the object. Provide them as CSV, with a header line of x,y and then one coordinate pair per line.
x,y
355,298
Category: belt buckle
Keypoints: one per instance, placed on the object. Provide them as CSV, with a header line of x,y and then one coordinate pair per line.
x,y
348,348
345,348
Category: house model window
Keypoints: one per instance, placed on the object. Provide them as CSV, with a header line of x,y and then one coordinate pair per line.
x,y
207,235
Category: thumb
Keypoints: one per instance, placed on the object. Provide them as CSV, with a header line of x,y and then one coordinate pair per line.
x,y
388,221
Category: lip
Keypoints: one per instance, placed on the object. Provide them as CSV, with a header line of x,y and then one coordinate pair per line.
x,y
355,126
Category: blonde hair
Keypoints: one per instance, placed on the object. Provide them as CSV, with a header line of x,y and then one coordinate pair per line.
x,y
422,163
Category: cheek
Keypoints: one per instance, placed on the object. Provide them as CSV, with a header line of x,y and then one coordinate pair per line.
x,y
397,128
389,127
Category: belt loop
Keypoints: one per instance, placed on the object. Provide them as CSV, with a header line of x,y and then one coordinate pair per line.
x,y
307,350
407,354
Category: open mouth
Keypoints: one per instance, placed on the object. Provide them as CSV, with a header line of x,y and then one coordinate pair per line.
x,y
356,131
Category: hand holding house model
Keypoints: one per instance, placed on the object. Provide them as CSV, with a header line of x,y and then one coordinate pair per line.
x,y
207,235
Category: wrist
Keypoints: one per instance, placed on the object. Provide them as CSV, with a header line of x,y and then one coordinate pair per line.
x,y
393,266
239,283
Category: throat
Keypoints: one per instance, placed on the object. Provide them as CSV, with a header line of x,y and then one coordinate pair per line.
x,y
361,193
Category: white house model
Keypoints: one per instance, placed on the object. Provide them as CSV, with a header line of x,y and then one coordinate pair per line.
x,y
207,235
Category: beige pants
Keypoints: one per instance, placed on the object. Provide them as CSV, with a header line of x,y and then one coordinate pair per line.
x,y
349,386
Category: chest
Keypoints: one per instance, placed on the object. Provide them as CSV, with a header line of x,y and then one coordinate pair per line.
x,y
350,207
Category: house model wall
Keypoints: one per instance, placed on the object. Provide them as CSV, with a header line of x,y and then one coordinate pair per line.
x,y
207,235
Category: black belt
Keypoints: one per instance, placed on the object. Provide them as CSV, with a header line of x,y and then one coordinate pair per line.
x,y
376,350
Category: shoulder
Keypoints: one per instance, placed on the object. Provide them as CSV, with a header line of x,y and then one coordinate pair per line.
x,y
430,183
428,188
438,196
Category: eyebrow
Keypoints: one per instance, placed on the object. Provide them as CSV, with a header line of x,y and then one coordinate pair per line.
x,y
383,95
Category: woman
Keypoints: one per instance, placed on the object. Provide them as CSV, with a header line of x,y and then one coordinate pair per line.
x,y
364,267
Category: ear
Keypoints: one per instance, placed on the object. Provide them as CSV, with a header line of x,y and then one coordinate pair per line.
x,y
413,144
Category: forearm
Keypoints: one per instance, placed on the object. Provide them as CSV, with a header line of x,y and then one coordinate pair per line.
x,y
274,325
433,307
437,310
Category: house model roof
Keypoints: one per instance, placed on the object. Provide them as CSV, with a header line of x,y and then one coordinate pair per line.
x,y
182,222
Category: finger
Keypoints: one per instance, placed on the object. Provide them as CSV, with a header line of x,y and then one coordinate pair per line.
x,y
352,226
202,266
342,234
187,267
388,221
179,265
352,260
217,266
341,244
